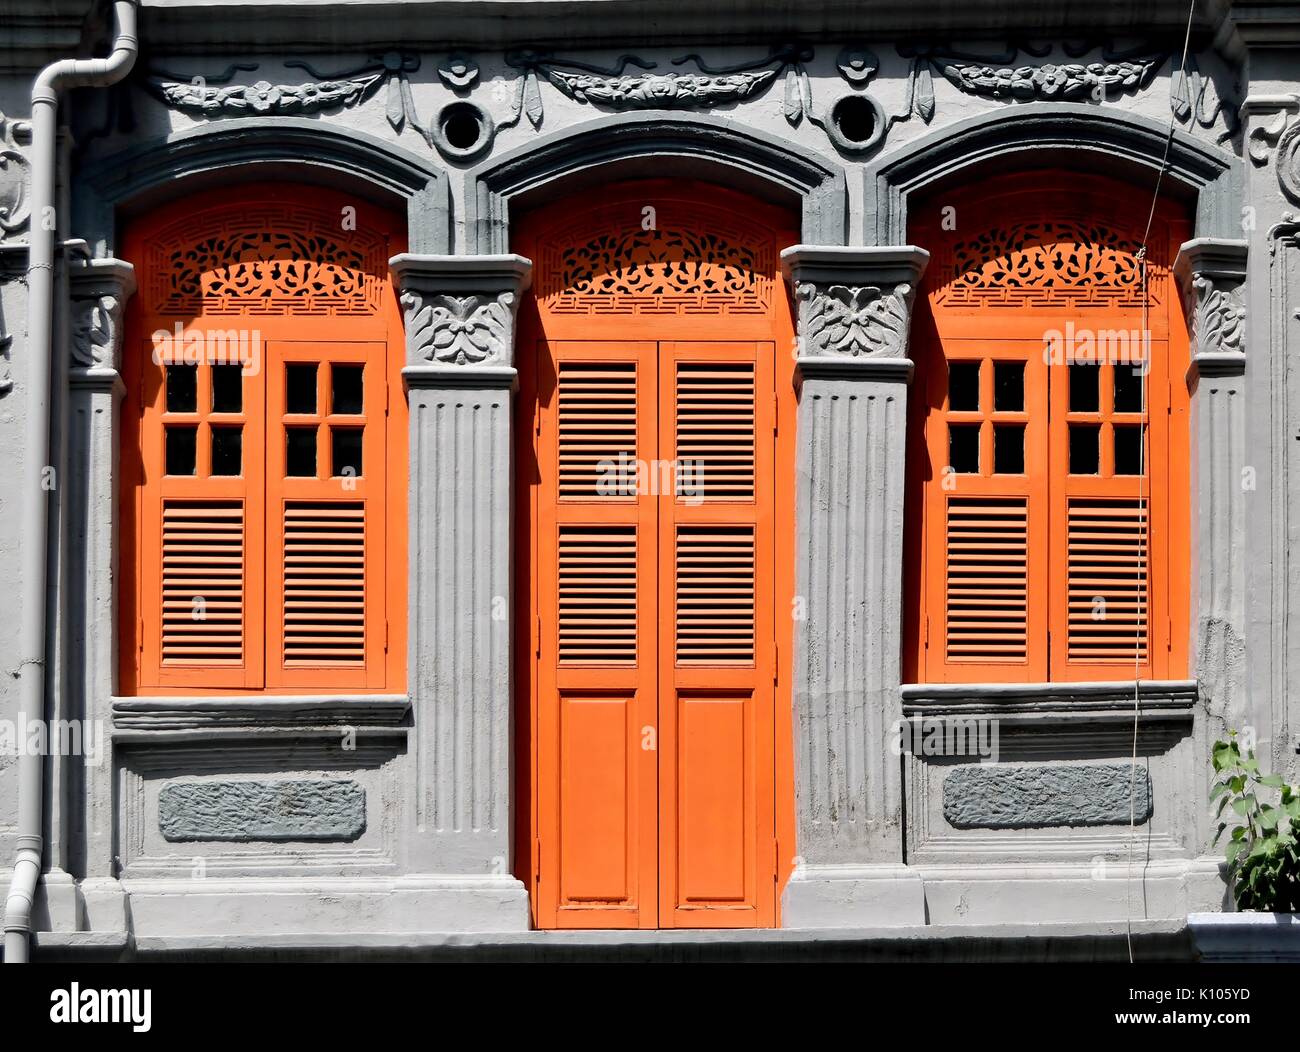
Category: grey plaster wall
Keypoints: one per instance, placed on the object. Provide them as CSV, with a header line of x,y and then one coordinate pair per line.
x,y
256,112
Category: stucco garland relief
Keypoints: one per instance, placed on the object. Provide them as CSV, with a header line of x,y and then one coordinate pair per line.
x,y
1265,135
474,329
1288,163
216,96
854,320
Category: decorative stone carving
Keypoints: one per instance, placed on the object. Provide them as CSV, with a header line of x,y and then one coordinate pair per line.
x,y
459,72
96,328
854,319
458,329
1264,135
854,303
215,96
460,310
100,289
1210,273
1288,163
1194,100
14,170
1072,81
857,64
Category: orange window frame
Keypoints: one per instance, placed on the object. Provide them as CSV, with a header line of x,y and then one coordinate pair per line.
x,y
1068,636
372,338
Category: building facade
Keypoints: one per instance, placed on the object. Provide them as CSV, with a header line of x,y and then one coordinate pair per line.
x,y
656,467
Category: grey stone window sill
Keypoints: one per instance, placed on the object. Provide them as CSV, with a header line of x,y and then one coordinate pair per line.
x,y
1104,701
295,714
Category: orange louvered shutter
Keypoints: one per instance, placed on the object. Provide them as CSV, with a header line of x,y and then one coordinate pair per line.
x,y
264,473
1049,454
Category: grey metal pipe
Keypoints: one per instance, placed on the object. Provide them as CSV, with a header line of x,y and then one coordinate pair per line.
x,y
42,237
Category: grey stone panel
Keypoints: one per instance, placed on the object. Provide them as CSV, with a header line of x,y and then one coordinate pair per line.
x,y
1031,797
298,809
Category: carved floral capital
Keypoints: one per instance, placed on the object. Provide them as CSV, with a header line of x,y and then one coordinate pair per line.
x,y
854,303
100,289
1211,272
460,311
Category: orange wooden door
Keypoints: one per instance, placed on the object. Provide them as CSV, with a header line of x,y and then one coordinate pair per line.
x,y
654,485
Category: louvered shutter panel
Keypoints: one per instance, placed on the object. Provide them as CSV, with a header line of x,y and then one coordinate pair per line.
x,y
715,429
715,595
325,584
597,428
1107,581
597,595
203,574
986,587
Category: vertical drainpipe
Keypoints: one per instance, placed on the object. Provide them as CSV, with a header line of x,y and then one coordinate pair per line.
x,y
53,79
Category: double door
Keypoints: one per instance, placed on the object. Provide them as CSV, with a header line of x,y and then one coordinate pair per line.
x,y
654,627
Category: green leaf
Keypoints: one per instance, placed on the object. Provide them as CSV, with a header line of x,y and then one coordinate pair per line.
x,y
1234,849
1219,787
1244,804
1273,781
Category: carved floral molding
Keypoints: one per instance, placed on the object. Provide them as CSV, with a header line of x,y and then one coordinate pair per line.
x,y
14,170
1211,273
854,320
100,289
460,310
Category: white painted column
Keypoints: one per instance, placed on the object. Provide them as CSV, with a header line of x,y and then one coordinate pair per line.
x,y
854,314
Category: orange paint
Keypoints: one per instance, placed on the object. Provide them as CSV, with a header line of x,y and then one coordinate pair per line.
x,y
655,764
264,448
1048,530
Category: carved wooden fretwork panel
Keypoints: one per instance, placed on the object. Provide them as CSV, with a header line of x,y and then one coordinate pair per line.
x,y
273,260
1044,263
609,264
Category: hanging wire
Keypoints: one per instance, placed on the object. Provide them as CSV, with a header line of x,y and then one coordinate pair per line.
x,y
1143,509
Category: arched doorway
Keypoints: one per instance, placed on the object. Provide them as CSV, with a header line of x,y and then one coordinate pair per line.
x,y
654,580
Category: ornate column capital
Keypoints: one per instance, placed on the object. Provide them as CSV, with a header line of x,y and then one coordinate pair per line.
x,y
855,307
1210,272
99,289
460,313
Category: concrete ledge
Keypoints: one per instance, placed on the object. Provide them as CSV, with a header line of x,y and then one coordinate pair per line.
x,y
853,897
1167,941
1261,938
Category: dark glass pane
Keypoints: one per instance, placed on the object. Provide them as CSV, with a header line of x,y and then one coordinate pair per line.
x,y
1084,459
347,451
347,388
964,387
181,445
1128,389
300,388
1009,386
1009,449
300,457
227,388
1083,388
227,444
964,448
182,388
1128,450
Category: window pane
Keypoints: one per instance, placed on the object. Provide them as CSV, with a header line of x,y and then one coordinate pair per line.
x,y
1083,449
182,389
1128,450
346,381
1083,388
1009,386
227,444
1009,449
963,387
964,448
300,457
347,452
1128,389
181,443
300,388
227,388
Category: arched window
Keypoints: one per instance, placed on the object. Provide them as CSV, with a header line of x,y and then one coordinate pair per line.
x,y
1048,448
264,448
